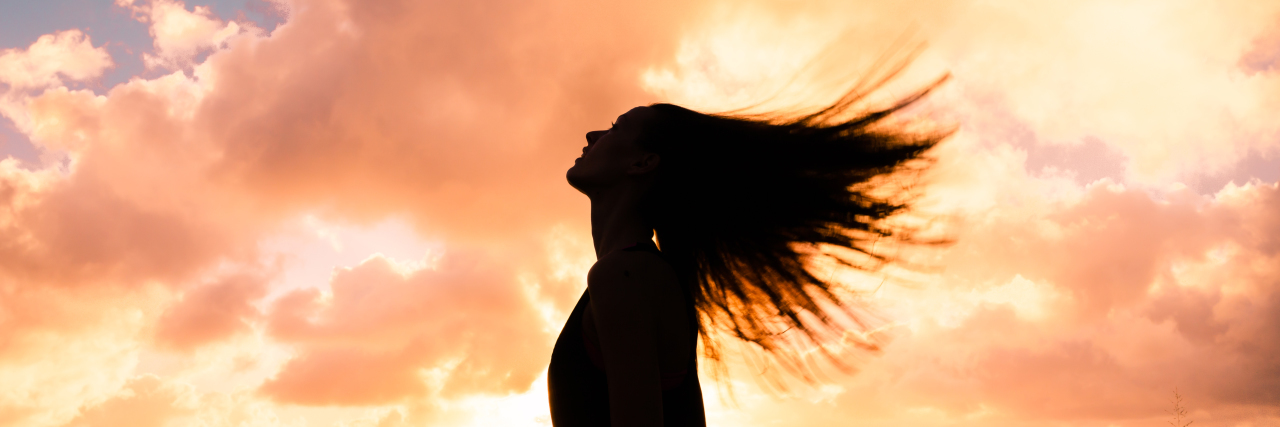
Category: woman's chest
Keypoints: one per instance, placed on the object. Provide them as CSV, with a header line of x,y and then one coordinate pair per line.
x,y
672,335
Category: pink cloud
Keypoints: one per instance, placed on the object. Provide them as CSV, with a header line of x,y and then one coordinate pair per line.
x,y
53,57
1185,296
211,312
1264,56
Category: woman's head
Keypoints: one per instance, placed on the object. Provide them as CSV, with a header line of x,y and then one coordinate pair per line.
x,y
615,157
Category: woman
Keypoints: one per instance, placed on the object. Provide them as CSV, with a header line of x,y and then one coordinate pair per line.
x,y
739,204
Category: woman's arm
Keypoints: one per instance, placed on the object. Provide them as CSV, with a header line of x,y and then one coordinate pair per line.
x,y
623,289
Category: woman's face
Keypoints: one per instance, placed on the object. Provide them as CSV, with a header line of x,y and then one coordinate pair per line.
x,y
613,155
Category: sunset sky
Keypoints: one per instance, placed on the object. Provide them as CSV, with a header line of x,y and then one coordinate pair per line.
x,y
354,213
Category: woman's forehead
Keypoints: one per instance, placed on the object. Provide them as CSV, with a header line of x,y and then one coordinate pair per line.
x,y
638,114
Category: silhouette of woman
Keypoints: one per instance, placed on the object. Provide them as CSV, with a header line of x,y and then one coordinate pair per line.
x,y
739,203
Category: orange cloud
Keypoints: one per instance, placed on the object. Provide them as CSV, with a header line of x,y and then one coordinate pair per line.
x,y
211,312
389,332
142,402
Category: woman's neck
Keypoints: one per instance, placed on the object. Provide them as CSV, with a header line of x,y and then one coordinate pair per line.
x,y
616,222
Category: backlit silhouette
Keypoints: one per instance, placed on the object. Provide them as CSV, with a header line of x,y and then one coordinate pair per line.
x,y
739,204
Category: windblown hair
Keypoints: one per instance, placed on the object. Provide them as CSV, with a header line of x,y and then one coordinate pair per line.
x,y
744,203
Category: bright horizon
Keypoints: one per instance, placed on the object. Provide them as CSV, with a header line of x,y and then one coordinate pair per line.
x,y
342,213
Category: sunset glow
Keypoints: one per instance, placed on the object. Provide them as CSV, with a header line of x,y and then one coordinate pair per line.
x,y
354,213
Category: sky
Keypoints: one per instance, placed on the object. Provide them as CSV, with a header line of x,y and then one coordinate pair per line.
x,y
353,213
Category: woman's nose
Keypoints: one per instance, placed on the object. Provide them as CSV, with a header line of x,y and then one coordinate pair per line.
x,y
594,135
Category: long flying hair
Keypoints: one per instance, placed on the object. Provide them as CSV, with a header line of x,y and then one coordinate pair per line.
x,y
743,204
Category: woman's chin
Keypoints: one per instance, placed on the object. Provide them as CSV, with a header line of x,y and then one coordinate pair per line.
x,y
572,174
579,179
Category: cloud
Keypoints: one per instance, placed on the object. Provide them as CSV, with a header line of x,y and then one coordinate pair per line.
x,y
391,331
149,401
1124,313
211,312
1168,280
178,34
1264,55
51,60
143,402
65,347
